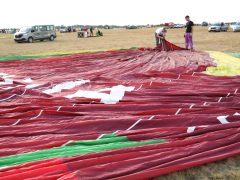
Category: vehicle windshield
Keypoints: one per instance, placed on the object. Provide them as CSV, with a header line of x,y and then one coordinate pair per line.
x,y
25,29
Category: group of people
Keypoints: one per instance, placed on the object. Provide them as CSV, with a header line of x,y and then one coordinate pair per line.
x,y
3,31
90,31
160,34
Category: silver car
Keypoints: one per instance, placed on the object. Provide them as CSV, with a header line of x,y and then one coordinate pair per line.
x,y
32,33
236,27
217,27
63,30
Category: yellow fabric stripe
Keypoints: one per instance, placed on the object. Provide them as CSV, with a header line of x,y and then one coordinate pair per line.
x,y
74,52
69,52
226,65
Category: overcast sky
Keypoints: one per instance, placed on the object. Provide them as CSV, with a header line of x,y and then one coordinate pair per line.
x,y
17,13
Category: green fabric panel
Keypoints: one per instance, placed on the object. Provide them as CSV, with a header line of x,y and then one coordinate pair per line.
x,y
6,58
237,55
74,148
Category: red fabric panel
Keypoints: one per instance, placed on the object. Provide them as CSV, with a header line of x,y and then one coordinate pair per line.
x,y
171,95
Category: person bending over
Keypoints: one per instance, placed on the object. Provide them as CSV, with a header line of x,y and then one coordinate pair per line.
x,y
160,34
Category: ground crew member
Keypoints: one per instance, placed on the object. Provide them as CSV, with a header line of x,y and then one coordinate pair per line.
x,y
160,34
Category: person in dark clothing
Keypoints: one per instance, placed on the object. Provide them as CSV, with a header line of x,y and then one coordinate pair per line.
x,y
99,33
188,33
91,31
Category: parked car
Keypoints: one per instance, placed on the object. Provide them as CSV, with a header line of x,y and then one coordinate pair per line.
x,y
63,30
204,23
32,33
236,27
178,26
169,25
217,27
131,27
107,27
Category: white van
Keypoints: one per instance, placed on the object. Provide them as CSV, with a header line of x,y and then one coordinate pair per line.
x,y
33,33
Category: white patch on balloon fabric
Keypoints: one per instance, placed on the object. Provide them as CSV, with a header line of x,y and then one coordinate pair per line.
x,y
28,80
6,79
66,85
223,119
5,75
116,94
30,86
6,82
88,94
237,114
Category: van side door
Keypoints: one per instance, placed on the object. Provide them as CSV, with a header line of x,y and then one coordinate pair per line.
x,y
49,30
52,31
43,32
35,32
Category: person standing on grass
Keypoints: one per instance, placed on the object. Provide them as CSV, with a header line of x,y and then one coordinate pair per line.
x,y
160,34
91,31
188,33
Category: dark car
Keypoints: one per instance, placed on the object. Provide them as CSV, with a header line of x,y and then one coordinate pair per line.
x,y
204,23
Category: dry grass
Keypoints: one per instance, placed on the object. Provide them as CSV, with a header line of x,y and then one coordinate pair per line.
x,y
122,38
228,169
